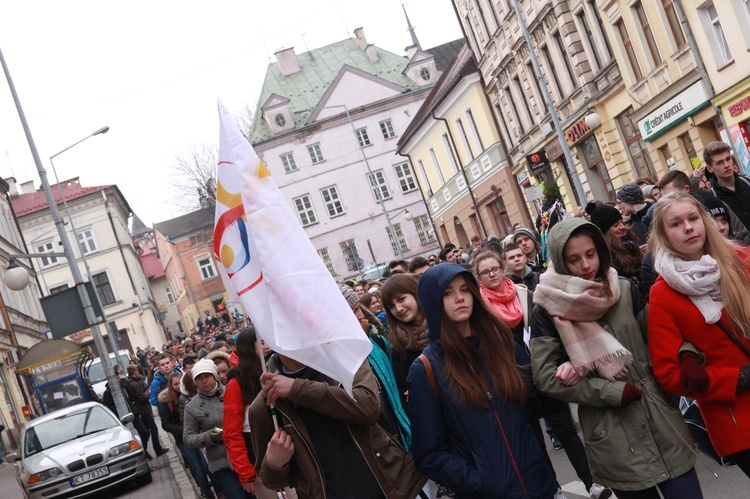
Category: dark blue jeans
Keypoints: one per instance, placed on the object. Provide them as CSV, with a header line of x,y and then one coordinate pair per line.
x,y
196,463
684,486
150,424
229,483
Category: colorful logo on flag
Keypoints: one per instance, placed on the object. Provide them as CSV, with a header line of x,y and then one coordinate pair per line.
x,y
231,246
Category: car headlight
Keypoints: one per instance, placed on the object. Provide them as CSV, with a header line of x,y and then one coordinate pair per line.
x,y
44,475
124,448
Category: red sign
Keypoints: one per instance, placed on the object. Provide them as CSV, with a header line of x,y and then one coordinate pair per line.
x,y
739,107
26,411
577,132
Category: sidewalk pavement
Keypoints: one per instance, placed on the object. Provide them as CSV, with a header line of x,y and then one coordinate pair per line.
x,y
184,482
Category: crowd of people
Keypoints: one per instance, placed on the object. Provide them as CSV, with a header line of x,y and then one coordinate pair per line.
x,y
623,309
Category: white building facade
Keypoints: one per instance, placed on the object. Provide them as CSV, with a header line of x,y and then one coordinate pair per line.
x,y
335,169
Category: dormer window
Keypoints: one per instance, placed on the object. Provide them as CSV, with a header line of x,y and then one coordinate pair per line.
x,y
280,120
425,74
277,115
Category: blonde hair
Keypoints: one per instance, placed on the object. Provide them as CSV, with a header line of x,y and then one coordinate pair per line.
x,y
733,282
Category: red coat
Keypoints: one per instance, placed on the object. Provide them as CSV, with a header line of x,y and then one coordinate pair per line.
x,y
674,319
234,425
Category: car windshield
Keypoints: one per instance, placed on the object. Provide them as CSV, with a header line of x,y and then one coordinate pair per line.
x,y
66,428
96,369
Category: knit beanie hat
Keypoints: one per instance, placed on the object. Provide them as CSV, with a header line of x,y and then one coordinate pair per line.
x,y
711,203
648,189
631,194
526,232
349,295
204,366
603,216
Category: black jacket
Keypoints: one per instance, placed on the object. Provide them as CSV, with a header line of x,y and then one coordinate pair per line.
x,y
137,391
738,199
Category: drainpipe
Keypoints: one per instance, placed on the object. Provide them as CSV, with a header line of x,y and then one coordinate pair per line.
x,y
463,171
699,64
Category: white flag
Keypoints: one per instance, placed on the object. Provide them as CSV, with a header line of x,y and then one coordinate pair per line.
x,y
267,261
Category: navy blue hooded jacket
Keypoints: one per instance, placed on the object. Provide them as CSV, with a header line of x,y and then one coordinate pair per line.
x,y
461,446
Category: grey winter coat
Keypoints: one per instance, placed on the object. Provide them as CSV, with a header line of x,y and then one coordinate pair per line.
x,y
202,414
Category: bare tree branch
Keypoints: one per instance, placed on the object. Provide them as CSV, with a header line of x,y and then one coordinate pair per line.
x,y
194,174
244,120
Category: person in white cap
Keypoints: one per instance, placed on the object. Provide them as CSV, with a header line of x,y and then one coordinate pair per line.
x,y
204,417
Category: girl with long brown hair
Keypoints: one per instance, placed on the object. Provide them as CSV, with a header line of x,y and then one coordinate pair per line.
x,y
699,325
408,327
467,394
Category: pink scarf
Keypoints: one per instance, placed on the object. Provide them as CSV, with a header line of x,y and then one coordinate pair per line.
x,y
505,302
576,305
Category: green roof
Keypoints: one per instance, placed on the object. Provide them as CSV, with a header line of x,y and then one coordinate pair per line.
x,y
318,69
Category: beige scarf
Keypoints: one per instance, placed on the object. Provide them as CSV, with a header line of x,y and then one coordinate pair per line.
x,y
576,305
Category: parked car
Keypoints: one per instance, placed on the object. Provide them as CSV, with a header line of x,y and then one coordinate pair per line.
x,y
78,451
96,371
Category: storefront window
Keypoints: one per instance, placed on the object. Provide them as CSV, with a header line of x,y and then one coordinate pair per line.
x,y
665,153
719,131
594,161
636,147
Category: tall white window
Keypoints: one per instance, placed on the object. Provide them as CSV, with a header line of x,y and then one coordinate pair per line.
x,y
721,39
305,210
399,236
206,266
332,201
362,137
46,261
439,172
424,229
475,130
170,297
405,177
450,152
420,165
386,127
323,254
464,139
351,255
103,288
86,241
287,160
378,185
315,154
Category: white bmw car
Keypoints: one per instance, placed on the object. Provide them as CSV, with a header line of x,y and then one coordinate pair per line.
x,y
76,452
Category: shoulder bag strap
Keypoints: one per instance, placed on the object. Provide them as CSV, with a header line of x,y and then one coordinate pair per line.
x,y
734,338
430,373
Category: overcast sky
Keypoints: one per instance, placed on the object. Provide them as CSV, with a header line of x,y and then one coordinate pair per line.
x,y
153,70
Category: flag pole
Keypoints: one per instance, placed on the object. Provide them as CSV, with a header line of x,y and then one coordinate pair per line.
x,y
272,407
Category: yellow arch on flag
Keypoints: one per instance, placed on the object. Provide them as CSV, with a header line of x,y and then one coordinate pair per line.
x,y
227,198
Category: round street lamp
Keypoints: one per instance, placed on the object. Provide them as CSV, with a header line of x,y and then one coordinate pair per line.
x,y
408,216
16,277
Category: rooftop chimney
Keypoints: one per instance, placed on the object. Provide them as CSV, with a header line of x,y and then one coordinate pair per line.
x,y
411,50
28,187
288,63
12,190
359,34
371,53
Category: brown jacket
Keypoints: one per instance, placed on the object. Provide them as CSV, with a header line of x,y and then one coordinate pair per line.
x,y
393,467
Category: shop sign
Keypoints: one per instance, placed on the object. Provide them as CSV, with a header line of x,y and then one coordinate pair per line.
x,y
673,111
578,131
553,150
739,107
46,367
537,161
522,177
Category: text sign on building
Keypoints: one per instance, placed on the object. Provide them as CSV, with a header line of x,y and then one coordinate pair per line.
x,y
577,132
46,367
537,161
673,111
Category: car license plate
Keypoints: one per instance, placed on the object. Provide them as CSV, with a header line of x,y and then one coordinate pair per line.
x,y
89,475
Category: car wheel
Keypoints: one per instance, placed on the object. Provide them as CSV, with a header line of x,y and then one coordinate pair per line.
x,y
144,479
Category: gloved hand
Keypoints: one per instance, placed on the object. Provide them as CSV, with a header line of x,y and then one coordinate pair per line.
x,y
743,383
693,375
630,394
217,435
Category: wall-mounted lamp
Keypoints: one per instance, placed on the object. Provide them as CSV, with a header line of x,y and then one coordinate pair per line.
x,y
593,120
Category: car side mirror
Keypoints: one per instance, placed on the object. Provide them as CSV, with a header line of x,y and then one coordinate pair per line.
x,y
127,418
12,457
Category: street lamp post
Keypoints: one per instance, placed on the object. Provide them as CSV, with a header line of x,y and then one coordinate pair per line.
x,y
380,199
551,108
88,309
110,333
